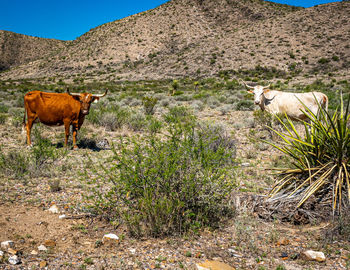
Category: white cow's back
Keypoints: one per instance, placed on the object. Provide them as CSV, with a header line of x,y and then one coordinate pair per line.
x,y
292,103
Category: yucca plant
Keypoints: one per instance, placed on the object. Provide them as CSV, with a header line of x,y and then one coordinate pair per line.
x,y
320,159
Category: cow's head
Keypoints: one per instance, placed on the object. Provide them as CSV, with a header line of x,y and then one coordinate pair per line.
x,y
258,92
86,99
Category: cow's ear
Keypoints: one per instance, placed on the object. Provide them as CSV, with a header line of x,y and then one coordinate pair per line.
x,y
76,97
95,99
266,90
250,91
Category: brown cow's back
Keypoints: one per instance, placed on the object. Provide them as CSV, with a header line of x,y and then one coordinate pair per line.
x,y
52,108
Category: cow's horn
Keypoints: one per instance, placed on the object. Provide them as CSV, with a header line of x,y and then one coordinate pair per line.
x,y
72,94
101,95
251,87
267,86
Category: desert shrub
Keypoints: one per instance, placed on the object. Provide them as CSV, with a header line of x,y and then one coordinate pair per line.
x,y
111,121
225,109
165,102
321,160
14,163
137,121
34,163
43,153
244,105
198,105
178,114
148,104
267,120
153,125
169,185
217,139
135,102
4,108
111,117
16,116
3,118
213,102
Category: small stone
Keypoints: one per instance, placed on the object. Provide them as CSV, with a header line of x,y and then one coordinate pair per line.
x,y
50,243
12,251
213,265
284,255
245,164
110,239
62,216
132,250
34,252
7,244
234,253
1,254
314,255
43,264
54,209
14,260
42,248
283,242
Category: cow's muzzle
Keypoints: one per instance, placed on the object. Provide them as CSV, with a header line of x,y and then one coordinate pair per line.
x,y
85,112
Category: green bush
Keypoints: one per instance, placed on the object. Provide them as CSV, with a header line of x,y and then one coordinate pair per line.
x,y
321,159
34,163
4,108
148,104
153,125
14,163
170,185
112,117
137,121
43,152
244,105
3,118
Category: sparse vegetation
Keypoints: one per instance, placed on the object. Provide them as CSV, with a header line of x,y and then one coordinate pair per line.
x,y
173,185
321,160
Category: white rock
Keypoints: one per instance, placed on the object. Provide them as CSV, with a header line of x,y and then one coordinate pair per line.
x,y
14,260
62,216
132,250
7,244
1,254
34,252
314,255
110,239
54,209
42,248
234,253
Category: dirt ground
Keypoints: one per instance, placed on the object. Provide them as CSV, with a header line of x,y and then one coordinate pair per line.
x,y
75,242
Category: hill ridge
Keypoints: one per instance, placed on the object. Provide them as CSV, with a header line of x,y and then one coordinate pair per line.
x,y
202,38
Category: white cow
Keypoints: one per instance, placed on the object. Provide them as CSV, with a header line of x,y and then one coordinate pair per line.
x,y
288,103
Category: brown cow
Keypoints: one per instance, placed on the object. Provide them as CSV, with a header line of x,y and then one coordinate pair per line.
x,y
54,109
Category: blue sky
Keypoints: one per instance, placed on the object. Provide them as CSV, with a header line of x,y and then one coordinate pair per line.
x,y
69,19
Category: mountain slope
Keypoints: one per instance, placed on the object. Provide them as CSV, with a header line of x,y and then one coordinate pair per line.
x,y
17,49
201,38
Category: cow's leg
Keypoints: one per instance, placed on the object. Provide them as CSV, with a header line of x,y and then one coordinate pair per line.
x,y
66,129
29,126
75,132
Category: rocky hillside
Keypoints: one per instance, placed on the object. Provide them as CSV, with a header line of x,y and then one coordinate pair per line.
x,y
17,49
202,38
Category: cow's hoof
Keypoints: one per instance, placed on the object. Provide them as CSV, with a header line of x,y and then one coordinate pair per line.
x,y
75,148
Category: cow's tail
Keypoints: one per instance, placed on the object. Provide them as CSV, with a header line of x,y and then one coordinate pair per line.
x,y
24,121
324,102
